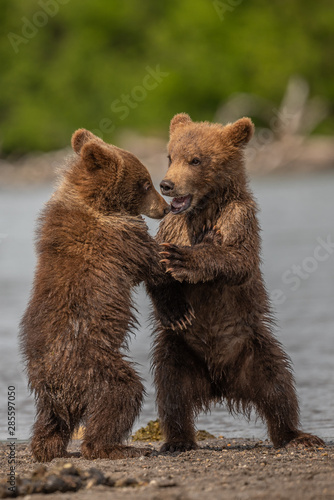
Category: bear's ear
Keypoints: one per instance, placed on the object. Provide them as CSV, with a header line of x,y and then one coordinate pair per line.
x,y
240,132
179,121
80,137
98,155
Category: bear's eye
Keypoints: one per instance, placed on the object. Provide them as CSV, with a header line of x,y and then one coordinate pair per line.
x,y
169,160
195,161
147,186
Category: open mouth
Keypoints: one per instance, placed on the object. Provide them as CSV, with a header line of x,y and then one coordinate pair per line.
x,y
181,204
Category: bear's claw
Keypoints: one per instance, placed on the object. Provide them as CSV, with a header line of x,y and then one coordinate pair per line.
x,y
184,322
177,260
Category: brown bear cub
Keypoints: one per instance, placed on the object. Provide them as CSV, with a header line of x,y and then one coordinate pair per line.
x,y
211,245
92,249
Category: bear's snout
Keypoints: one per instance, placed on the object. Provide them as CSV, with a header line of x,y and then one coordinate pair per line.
x,y
166,187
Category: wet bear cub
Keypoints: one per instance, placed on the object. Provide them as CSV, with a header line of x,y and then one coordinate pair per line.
x,y
92,249
212,247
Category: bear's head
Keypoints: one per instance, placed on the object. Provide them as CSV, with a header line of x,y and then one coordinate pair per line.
x,y
205,160
112,180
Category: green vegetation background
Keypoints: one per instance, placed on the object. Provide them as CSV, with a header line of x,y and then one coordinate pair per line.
x,y
68,73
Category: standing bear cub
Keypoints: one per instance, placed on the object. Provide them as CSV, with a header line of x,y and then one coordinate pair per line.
x,y
92,249
211,245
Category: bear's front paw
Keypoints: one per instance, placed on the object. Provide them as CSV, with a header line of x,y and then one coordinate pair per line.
x,y
179,446
176,260
181,322
307,440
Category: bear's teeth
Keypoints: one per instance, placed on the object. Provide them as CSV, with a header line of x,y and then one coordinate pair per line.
x,y
180,204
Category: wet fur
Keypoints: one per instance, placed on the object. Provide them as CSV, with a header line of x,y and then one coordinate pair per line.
x,y
229,354
92,249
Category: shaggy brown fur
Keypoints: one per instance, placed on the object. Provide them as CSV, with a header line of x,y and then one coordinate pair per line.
x,y
230,353
92,249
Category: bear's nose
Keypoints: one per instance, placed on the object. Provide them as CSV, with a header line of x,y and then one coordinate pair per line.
x,y
166,186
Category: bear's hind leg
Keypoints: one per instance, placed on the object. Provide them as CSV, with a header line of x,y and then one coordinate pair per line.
x,y
183,389
270,389
277,402
51,433
113,406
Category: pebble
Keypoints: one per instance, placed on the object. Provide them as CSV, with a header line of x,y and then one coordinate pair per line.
x,y
163,483
63,477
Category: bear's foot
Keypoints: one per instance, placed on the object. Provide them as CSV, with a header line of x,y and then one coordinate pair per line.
x,y
307,440
115,452
45,451
180,446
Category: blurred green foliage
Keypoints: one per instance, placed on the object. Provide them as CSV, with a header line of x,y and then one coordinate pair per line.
x,y
67,64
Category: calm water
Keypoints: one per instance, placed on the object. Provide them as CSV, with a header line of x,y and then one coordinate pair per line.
x,y
295,213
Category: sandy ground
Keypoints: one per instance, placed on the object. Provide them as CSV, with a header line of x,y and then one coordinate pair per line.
x,y
234,469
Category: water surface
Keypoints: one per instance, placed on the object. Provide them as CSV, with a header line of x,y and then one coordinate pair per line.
x,y
295,212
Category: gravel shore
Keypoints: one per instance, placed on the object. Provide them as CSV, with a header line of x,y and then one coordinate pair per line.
x,y
220,468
